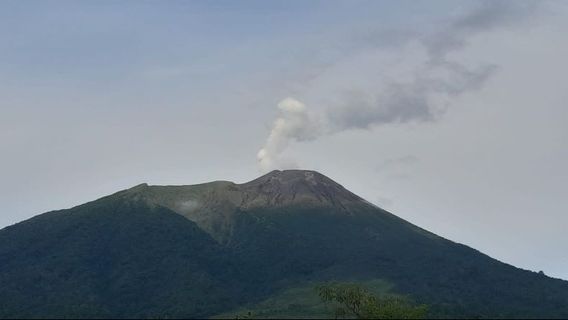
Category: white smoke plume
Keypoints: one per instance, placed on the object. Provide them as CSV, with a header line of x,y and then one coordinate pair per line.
x,y
415,83
292,124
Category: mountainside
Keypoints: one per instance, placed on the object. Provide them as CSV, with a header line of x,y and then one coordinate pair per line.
x,y
207,249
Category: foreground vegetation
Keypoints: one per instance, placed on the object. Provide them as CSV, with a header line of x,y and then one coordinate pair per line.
x,y
352,300
339,300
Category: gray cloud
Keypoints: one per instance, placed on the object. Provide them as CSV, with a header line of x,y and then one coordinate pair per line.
x,y
488,15
401,102
430,81
414,99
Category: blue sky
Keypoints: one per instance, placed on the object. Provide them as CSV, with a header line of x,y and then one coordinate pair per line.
x,y
451,114
109,40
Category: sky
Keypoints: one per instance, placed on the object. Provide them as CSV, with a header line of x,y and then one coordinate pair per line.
x,y
450,114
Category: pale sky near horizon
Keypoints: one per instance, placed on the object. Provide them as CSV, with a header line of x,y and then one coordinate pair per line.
x,y
450,114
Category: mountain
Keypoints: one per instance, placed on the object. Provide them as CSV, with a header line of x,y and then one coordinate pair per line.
x,y
216,248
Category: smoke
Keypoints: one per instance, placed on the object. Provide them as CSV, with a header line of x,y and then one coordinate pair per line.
x,y
417,82
292,124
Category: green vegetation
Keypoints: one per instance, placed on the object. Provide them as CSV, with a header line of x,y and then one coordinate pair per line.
x,y
352,300
299,302
125,256
114,259
246,315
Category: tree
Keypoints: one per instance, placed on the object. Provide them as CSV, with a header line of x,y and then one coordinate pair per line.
x,y
351,300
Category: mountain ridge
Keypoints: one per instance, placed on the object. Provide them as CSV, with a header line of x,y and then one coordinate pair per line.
x,y
277,185
212,205
205,249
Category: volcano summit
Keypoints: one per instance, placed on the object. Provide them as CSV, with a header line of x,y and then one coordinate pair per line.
x,y
208,249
